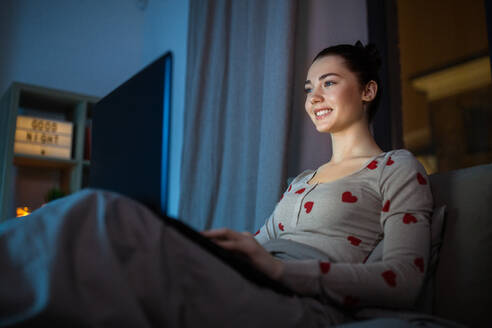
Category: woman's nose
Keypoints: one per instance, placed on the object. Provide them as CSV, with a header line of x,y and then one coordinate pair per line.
x,y
315,98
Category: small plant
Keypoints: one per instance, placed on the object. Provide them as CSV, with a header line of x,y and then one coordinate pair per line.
x,y
53,194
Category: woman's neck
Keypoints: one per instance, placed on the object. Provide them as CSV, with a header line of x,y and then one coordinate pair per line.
x,y
355,141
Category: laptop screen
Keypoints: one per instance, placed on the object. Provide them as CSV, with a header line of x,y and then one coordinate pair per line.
x,y
130,136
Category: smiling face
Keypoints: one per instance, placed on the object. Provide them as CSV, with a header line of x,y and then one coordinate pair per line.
x,y
334,96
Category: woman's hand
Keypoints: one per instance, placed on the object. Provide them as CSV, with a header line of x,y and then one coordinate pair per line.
x,y
246,244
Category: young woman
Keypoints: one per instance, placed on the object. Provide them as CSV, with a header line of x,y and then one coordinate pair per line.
x,y
100,259
329,220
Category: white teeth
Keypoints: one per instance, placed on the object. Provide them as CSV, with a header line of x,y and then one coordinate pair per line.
x,y
323,112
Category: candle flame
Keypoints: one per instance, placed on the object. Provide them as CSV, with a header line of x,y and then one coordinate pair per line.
x,y
23,211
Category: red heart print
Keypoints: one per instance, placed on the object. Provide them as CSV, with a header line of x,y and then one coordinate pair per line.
x,y
389,161
421,179
347,197
281,226
409,218
324,267
354,240
256,233
290,187
308,206
390,277
372,165
386,206
419,263
350,300
300,191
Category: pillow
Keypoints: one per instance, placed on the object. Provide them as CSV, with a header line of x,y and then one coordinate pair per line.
x,y
437,223
425,299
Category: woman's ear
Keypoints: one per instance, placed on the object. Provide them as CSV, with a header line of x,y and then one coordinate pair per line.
x,y
370,91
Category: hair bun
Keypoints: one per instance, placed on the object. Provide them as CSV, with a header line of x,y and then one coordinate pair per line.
x,y
372,54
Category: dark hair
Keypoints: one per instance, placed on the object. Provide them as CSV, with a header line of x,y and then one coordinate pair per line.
x,y
362,60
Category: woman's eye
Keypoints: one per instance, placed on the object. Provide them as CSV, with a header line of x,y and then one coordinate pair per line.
x,y
328,83
307,90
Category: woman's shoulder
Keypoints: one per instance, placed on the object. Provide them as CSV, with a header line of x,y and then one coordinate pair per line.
x,y
402,156
400,153
400,160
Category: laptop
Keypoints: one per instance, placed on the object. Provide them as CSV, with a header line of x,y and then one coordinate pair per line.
x,y
130,149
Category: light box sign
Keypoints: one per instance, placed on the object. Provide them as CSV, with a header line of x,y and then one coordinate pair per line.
x,y
36,136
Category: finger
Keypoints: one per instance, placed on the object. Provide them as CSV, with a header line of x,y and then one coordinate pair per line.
x,y
225,243
213,233
222,233
231,245
247,233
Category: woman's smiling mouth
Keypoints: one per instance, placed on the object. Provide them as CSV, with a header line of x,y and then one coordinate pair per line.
x,y
322,113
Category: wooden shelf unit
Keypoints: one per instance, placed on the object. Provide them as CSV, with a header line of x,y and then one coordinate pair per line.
x,y
45,103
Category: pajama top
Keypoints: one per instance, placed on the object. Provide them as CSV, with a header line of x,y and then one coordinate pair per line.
x,y
390,198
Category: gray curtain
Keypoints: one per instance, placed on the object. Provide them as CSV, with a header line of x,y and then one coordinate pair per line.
x,y
237,107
